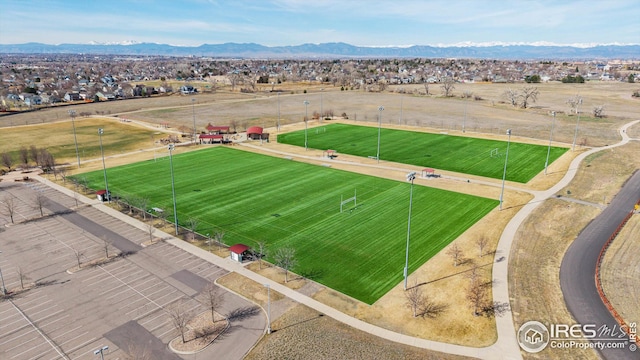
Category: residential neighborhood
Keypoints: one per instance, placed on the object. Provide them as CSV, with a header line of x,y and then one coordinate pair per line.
x,y
34,81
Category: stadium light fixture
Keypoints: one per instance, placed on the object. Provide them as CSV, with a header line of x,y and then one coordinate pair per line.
x,y
546,163
104,167
101,351
504,173
379,125
306,120
410,177
173,188
72,114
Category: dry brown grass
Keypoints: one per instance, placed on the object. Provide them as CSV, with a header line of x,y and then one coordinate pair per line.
x,y
299,332
542,240
620,271
540,243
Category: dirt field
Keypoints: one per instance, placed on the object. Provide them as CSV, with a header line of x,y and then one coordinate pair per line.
x,y
541,242
620,271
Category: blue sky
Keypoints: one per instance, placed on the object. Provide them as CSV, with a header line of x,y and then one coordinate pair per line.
x,y
295,22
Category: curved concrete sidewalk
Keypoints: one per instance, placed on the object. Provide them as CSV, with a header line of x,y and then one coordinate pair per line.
x,y
506,346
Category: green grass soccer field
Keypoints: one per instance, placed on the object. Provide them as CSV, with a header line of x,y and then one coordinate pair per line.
x,y
359,252
453,153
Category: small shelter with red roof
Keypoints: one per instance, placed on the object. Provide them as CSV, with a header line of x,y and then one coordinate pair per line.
x,y
238,251
256,133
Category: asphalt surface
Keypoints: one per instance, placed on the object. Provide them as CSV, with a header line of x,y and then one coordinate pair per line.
x,y
119,303
577,271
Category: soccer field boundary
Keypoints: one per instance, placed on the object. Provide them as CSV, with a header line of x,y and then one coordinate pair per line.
x,y
294,204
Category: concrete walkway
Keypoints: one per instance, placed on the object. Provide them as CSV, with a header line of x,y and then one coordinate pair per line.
x,y
506,346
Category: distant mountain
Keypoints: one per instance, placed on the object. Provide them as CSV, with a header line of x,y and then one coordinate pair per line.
x,y
337,50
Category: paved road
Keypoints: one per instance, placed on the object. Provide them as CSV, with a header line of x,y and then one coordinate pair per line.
x,y
577,272
506,347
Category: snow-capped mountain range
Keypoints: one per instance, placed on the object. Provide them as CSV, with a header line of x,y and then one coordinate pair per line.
x,y
494,50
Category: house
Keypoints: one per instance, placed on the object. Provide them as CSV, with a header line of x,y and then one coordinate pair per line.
x,y
238,251
187,89
73,96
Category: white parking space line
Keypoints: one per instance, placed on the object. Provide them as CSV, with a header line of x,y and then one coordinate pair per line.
x,y
28,348
40,333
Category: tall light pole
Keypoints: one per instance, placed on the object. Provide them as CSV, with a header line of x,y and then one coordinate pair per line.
x,y
321,112
410,177
104,167
504,173
400,118
193,110
72,113
546,163
306,119
268,308
464,120
380,108
278,124
4,289
575,133
173,188
101,351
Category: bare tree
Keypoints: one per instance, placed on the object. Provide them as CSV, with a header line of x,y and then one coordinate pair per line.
x,y
7,160
212,299
511,96
22,276
143,203
260,252
105,245
180,317
476,295
79,255
426,87
447,86
574,102
63,171
285,258
481,242
162,215
150,230
39,202
219,235
529,95
24,156
192,224
415,298
33,154
455,252
598,111
8,207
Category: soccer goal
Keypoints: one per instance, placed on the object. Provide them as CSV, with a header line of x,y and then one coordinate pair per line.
x,y
495,153
343,202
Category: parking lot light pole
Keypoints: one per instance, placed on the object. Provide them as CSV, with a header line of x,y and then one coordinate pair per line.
x,y
4,289
173,188
546,163
268,308
104,167
410,177
379,125
101,351
72,113
504,173
306,120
